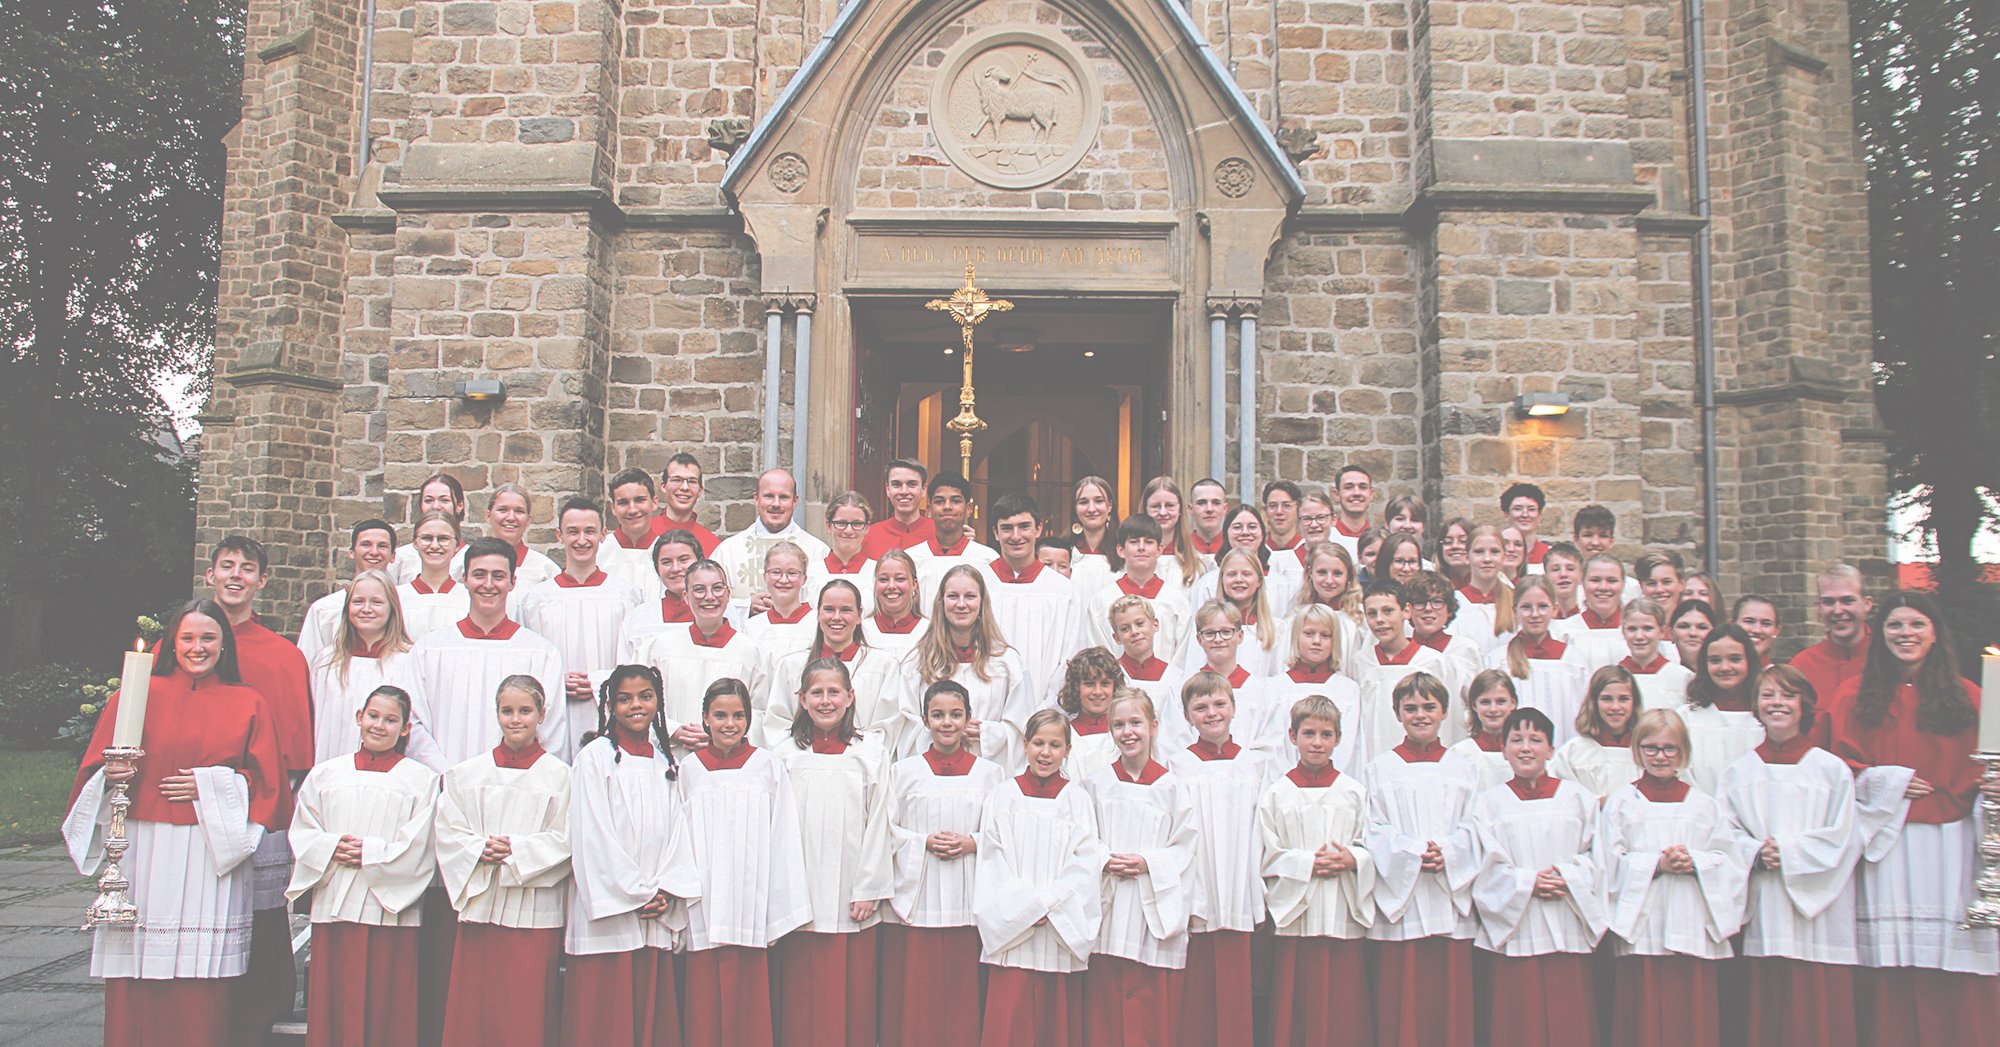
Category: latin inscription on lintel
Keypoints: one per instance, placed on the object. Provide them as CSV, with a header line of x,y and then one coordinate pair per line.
x,y
891,258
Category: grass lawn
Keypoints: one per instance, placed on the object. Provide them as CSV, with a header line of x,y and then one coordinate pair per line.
x,y
34,791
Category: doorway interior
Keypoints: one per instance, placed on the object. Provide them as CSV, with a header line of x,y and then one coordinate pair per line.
x,y
1069,387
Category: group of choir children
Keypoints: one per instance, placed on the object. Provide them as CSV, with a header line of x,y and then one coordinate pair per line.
x,y
1522,809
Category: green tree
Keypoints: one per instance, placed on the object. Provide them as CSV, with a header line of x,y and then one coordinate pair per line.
x,y
1928,103
110,207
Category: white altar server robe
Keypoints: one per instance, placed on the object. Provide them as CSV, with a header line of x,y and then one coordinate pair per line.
x,y
878,697
1657,914
1409,805
1915,881
1663,688
931,891
582,621
321,624
425,611
1295,822
1146,916
1088,754
458,677
1519,838
1042,619
391,811
1165,692
479,799
687,668
628,832
843,805
636,630
1377,730
1804,910
1039,859
1593,649
1227,885
335,702
749,851
932,565
1490,768
1002,704
742,554
1264,718
1170,606
1600,769
1556,686
1717,739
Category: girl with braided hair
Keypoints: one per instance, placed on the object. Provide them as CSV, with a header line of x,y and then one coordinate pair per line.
x,y
634,871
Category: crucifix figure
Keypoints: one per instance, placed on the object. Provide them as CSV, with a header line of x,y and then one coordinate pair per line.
x,y
967,306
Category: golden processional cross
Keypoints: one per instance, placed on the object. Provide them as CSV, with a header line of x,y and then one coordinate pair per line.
x,y
968,306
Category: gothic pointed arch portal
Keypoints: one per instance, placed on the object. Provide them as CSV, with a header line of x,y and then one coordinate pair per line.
x,y
1074,150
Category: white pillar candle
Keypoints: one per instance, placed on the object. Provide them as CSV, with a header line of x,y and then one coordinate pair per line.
x,y
1989,702
131,723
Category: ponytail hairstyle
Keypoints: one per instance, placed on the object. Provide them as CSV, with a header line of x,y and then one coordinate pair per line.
x,y
1267,631
1503,596
728,686
1588,722
1517,651
802,725
1089,665
402,699
1182,537
1487,680
1041,718
909,564
1108,543
525,684
1263,550
607,696
1942,704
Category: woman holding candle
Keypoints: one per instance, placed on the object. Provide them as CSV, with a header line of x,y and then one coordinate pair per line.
x,y
207,788
1909,726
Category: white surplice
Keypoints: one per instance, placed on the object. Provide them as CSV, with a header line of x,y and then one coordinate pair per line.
x,y
1294,823
1657,914
742,554
629,838
321,625
1146,916
458,678
424,613
843,805
1002,704
932,566
1170,606
1914,883
1556,686
391,812
1377,730
1666,688
1716,740
582,621
749,851
931,891
1042,620
687,669
335,703
1602,769
1519,838
1804,910
1490,768
1036,893
1227,886
1264,718
1411,804
479,799
878,696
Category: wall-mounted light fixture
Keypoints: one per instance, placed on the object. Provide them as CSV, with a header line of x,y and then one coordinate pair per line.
x,y
1541,405
481,390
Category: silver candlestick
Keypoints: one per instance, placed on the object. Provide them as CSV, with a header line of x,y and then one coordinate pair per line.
x,y
1985,909
113,906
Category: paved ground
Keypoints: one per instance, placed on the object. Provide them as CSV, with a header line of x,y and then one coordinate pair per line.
x,y
46,996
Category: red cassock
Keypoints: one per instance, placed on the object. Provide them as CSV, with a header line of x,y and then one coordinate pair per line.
x,y
728,997
930,985
273,667
622,999
1319,992
1031,1009
1797,1003
1129,1004
1217,995
826,989
1665,1001
167,1012
1540,1001
504,991
437,942
1423,992
358,987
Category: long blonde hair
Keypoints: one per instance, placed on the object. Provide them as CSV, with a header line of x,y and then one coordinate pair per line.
x,y
1350,597
1267,633
1182,536
395,638
1517,651
936,659
1503,588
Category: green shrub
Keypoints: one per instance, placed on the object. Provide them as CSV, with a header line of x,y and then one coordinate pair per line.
x,y
37,704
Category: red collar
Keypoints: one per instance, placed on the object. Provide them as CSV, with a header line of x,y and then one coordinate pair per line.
x,y
1277,546
715,761
798,615
424,587
1540,789
1090,723
1226,751
1151,773
369,652
836,565
1301,674
517,761
568,580
848,655
1083,547
1437,641
1659,662
1547,649
1562,615
966,654
655,527
1540,550
1149,670
504,631
1207,547
1409,652
1489,743
1041,788
1672,790
1411,752
828,744
1012,577
1239,676
957,765
1615,741
674,609
1301,549
638,746
520,554
1475,596
1341,526
1313,777
964,540
1150,590
1592,621
372,761
720,638
1785,752
898,626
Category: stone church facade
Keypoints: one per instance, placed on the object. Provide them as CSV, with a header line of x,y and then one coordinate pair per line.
x,y
1245,238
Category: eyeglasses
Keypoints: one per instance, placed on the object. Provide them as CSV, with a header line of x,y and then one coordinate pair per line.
x,y
1317,519
1431,604
1218,635
785,575
434,539
1659,750
847,525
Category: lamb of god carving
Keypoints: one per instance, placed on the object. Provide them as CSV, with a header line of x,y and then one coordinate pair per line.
x,y
1015,109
